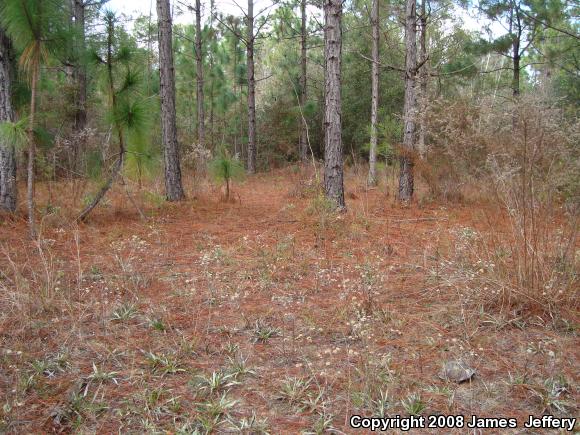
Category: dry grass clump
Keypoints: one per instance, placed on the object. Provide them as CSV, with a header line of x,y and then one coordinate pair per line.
x,y
530,265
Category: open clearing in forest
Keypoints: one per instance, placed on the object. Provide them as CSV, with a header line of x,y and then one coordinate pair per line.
x,y
208,314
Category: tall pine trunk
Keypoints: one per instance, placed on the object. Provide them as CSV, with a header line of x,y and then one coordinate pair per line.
x,y
211,101
516,68
199,74
243,151
515,31
333,159
251,90
173,187
80,73
32,151
410,106
79,76
423,77
235,85
372,178
8,189
303,143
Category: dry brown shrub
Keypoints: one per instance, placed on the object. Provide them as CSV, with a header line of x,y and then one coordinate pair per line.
x,y
306,180
527,157
459,145
442,180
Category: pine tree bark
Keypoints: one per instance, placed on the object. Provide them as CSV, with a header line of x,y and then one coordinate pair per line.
x,y
251,90
372,178
516,68
32,154
199,74
515,30
211,104
79,79
8,189
303,142
213,38
80,73
423,77
173,187
406,184
235,85
333,159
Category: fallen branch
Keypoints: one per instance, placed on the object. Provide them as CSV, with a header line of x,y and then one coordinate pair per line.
x,y
421,219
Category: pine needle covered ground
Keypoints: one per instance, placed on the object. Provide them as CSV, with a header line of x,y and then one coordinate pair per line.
x,y
268,315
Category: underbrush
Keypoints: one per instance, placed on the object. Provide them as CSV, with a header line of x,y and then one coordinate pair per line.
x,y
283,316
529,165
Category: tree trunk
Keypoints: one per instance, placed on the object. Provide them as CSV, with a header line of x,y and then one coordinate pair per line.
x,y
31,153
8,189
173,187
149,48
372,179
251,90
211,102
516,55
199,74
423,77
303,143
235,85
243,151
80,73
409,109
333,159
213,41
516,71
79,78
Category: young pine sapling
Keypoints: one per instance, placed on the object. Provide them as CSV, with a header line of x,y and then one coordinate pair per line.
x,y
128,111
224,168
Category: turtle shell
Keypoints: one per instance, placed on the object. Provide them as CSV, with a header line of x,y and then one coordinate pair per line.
x,y
456,371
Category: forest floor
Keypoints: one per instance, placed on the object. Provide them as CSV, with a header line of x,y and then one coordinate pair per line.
x,y
267,314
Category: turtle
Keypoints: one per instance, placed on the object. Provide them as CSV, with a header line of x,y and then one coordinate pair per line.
x,y
456,371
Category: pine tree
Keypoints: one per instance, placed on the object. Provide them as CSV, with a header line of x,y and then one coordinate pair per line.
x,y
406,181
173,187
127,109
37,28
422,99
303,143
372,178
199,76
523,20
250,39
8,188
333,158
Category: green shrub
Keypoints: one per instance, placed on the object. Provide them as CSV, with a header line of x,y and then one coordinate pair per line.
x,y
225,168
